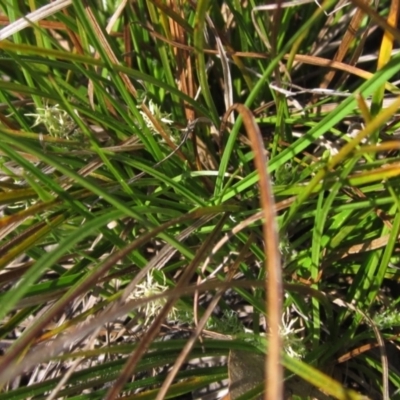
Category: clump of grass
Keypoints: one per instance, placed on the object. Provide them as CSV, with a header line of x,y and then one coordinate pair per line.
x,y
142,148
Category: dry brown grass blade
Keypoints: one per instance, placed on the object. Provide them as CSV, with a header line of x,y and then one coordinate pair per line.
x,y
33,17
301,58
34,331
360,47
273,282
355,192
187,82
382,348
127,38
226,81
344,45
10,249
160,129
200,325
184,72
17,270
112,57
151,334
110,54
326,63
4,20
46,351
246,223
163,256
325,29
378,19
368,245
364,348
88,346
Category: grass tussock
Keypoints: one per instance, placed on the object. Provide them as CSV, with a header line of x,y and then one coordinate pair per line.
x,y
199,198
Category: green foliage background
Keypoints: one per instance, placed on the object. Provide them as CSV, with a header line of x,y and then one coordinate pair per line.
x,y
125,181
